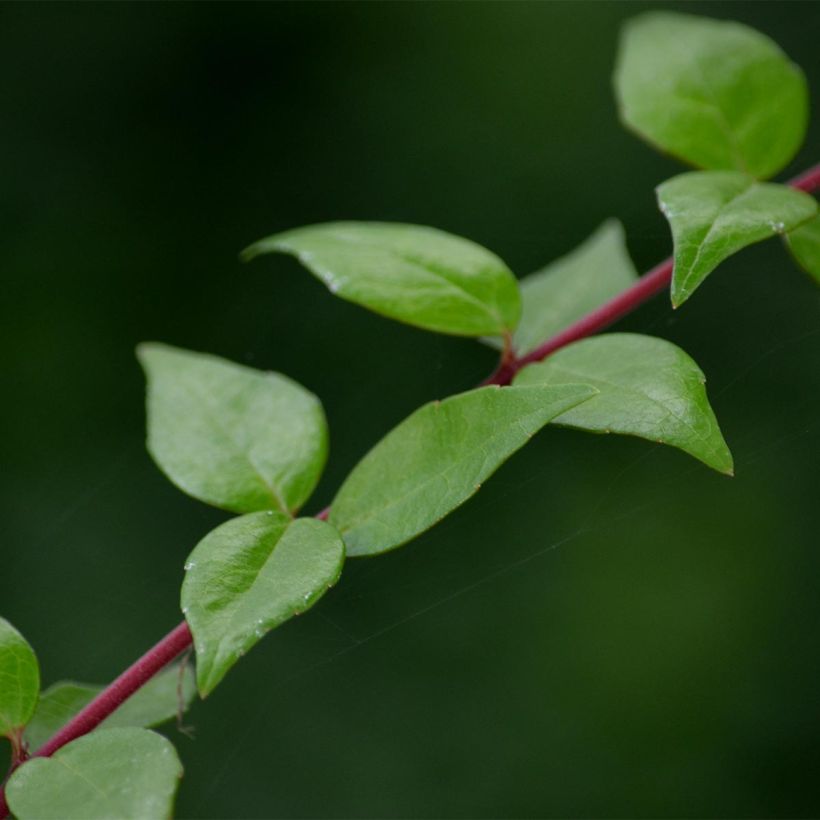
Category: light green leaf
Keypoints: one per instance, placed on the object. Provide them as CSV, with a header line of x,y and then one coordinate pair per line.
x,y
572,286
647,387
418,275
437,458
232,436
804,243
714,93
714,214
19,679
159,700
248,576
127,774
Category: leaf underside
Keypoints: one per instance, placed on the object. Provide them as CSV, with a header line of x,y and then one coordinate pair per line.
x,y
804,244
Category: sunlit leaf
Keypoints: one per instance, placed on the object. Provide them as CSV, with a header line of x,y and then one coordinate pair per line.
x,y
418,275
713,214
157,701
122,774
647,387
714,93
231,436
804,243
248,576
437,458
19,679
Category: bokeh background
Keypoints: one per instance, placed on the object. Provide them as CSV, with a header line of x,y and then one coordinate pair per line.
x,y
607,629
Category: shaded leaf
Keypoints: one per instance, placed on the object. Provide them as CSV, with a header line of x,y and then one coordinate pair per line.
x,y
248,576
19,679
229,435
804,243
714,93
154,703
572,286
647,387
713,214
418,275
437,458
127,774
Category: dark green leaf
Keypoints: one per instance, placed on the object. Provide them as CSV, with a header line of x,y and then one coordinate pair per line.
x,y
437,458
231,436
647,387
116,774
248,576
417,275
714,93
713,214
19,679
159,700
804,243
572,286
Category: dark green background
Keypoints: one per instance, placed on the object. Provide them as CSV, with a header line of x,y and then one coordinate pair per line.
x,y
608,629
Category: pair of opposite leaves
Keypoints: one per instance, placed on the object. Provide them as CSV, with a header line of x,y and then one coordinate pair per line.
x,y
718,95
256,443
120,769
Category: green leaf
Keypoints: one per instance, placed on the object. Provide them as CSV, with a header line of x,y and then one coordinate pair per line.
x,y
231,436
714,214
248,576
647,387
437,458
19,679
714,93
417,275
127,774
572,286
804,243
159,700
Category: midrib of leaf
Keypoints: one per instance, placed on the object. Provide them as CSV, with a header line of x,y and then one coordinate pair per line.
x,y
711,229
214,417
104,794
434,271
635,392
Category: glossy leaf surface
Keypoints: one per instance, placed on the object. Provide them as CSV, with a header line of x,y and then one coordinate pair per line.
x,y
647,387
437,458
231,436
804,243
248,576
156,702
19,679
418,275
127,774
713,214
714,93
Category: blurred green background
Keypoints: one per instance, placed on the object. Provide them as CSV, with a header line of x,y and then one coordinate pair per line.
x,y
607,629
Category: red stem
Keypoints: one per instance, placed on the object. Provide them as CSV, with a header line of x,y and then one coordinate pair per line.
x,y
180,639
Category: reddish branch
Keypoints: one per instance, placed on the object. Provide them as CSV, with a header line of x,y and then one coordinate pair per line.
x,y
179,639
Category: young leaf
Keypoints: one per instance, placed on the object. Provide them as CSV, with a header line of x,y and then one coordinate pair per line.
x,y
421,276
128,774
248,576
159,700
714,214
19,679
714,93
232,436
647,387
437,458
572,286
804,243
